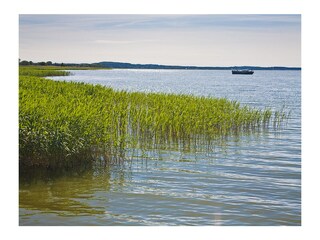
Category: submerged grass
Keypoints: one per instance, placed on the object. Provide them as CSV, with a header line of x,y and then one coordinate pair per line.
x,y
67,123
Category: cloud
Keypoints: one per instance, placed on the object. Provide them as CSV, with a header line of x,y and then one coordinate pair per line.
x,y
101,41
174,39
132,21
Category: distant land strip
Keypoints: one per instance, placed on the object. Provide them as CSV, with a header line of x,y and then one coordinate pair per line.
x,y
123,65
157,66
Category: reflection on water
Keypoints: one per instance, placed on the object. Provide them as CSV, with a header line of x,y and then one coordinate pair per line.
x,y
251,179
239,183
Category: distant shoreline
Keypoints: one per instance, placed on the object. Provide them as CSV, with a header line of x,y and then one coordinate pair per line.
x,y
123,65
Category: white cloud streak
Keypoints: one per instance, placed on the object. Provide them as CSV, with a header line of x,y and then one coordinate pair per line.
x,y
204,40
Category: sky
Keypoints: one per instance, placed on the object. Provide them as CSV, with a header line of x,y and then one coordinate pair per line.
x,y
198,40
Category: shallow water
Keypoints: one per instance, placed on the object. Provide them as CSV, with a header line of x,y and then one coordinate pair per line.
x,y
246,180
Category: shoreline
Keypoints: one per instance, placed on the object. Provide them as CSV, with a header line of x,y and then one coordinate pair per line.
x,y
60,122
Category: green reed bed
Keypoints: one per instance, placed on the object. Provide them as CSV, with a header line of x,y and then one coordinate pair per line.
x,y
67,123
42,71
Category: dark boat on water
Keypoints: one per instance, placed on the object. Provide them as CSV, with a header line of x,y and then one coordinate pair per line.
x,y
244,71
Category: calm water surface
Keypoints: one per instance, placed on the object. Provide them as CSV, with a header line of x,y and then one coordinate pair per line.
x,y
247,180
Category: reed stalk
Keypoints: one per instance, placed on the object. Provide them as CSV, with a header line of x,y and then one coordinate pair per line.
x,y
63,123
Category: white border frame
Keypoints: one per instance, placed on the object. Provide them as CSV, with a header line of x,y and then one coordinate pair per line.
x,y
9,120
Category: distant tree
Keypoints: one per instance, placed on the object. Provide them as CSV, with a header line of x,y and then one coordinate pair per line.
x,y
30,63
42,63
62,65
24,63
49,63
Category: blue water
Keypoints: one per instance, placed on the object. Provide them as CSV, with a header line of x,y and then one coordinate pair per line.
x,y
248,180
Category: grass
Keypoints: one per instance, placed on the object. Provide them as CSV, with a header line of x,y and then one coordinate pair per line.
x,y
66,123
48,71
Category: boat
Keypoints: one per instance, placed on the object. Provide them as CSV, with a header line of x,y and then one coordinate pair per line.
x,y
243,71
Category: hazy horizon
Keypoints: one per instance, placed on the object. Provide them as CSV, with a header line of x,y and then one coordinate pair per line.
x,y
46,60
185,40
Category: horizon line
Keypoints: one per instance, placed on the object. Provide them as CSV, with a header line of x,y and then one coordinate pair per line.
x,y
167,65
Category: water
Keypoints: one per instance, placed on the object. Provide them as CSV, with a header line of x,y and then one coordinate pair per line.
x,y
247,180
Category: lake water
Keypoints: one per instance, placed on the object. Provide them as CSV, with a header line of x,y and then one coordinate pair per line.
x,y
246,180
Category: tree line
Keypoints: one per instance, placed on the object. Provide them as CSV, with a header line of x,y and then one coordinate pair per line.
x,y
50,63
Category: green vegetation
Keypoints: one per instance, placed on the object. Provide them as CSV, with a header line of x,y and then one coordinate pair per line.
x,y
38,71
66,123
41,71
51,64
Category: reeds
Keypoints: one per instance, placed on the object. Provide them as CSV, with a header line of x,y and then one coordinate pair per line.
x,y
63,123
41,71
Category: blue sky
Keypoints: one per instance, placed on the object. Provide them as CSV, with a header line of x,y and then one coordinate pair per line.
x,y
202,40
